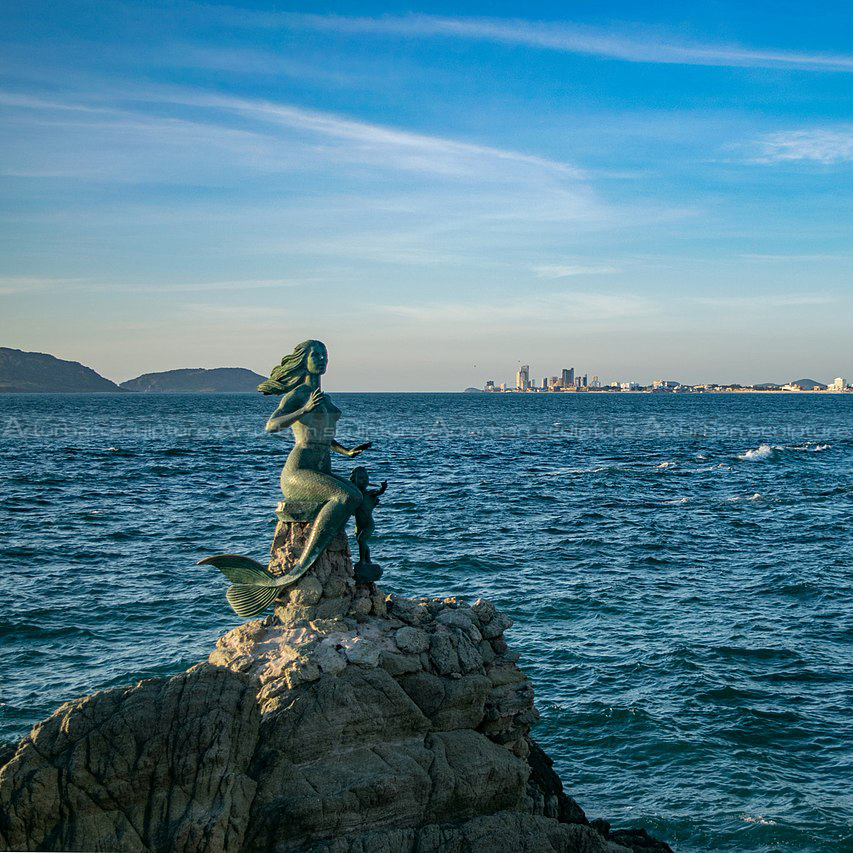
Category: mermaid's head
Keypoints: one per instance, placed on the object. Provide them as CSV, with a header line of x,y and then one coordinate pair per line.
x,y
308,357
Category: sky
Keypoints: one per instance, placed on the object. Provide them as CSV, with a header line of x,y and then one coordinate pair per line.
x,y
439,192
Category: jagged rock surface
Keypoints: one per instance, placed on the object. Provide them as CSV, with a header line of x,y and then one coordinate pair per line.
x,y
347,721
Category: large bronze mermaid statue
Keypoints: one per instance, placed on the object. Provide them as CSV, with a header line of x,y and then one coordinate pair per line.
x,y
311,491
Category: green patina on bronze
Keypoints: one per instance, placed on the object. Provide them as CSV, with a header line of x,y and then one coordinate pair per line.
x,y
365,570
312,492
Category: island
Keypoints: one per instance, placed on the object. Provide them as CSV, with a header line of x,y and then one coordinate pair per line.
x,y
218,380
38,372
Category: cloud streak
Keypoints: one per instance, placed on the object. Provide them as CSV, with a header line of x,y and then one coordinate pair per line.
x,y
821,145
569,270
357,141
563,309
561,37
764,301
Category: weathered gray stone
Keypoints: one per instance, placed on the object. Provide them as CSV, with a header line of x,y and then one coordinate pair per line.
x,y
162,766
462,618
329,659
306,591
442,653
361,652
497,626
412,640
396,664
484,610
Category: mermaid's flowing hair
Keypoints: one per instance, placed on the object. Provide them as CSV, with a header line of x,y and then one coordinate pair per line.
x,y
291,372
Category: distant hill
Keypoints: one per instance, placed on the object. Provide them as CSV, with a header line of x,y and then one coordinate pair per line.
x,y
809,384
197,379
39,372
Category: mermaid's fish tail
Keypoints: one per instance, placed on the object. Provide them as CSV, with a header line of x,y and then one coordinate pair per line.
x,y
242,570
248,601
254,588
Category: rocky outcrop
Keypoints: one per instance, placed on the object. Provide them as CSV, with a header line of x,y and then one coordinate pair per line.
x,y
347,721
38,372
196,380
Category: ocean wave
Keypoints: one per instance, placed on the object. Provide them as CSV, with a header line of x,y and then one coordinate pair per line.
x,y
763,821
763,451
770,451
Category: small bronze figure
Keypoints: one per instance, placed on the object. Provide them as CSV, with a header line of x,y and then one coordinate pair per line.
x,y
365,571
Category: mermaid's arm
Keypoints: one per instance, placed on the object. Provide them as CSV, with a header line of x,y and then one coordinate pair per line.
x,y
343,451
291,409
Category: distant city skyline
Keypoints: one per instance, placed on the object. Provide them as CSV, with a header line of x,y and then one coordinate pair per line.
x,y
568,380
436,196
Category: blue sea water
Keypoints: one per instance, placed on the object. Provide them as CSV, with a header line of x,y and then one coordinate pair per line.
x,y
678,568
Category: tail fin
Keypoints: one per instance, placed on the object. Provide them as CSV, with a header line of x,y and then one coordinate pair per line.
x,y
247,600
240,570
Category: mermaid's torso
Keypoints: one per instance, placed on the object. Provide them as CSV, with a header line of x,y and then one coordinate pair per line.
x,y
313,434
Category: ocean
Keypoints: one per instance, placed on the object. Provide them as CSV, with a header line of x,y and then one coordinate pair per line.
x,y
678,568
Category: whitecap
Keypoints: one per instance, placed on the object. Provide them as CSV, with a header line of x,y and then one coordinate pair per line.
x,y
666,465
678,501
763,821
756,497
762,452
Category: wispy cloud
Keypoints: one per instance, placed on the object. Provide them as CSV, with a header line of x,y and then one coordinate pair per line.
x,y
418,151
564,37
355,140
765,301
568,270
830,145
788,258
13,284
562,309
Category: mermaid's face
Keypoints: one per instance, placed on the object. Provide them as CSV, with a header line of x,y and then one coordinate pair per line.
x,y
316,359
360,478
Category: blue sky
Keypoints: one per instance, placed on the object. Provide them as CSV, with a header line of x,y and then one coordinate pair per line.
x,y
438,192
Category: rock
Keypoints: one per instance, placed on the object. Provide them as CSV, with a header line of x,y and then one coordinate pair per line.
x,y
503,832
329,659
638,841
361,652
462,619
161,766
344,722
307,591
397,665
496,627
442,653
484,610
410,610
412,640
556,803
449,704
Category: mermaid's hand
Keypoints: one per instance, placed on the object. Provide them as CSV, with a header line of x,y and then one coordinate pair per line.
x,y
360,449
316,398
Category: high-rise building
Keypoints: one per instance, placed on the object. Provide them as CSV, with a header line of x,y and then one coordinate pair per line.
x,y
568,377
522,378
